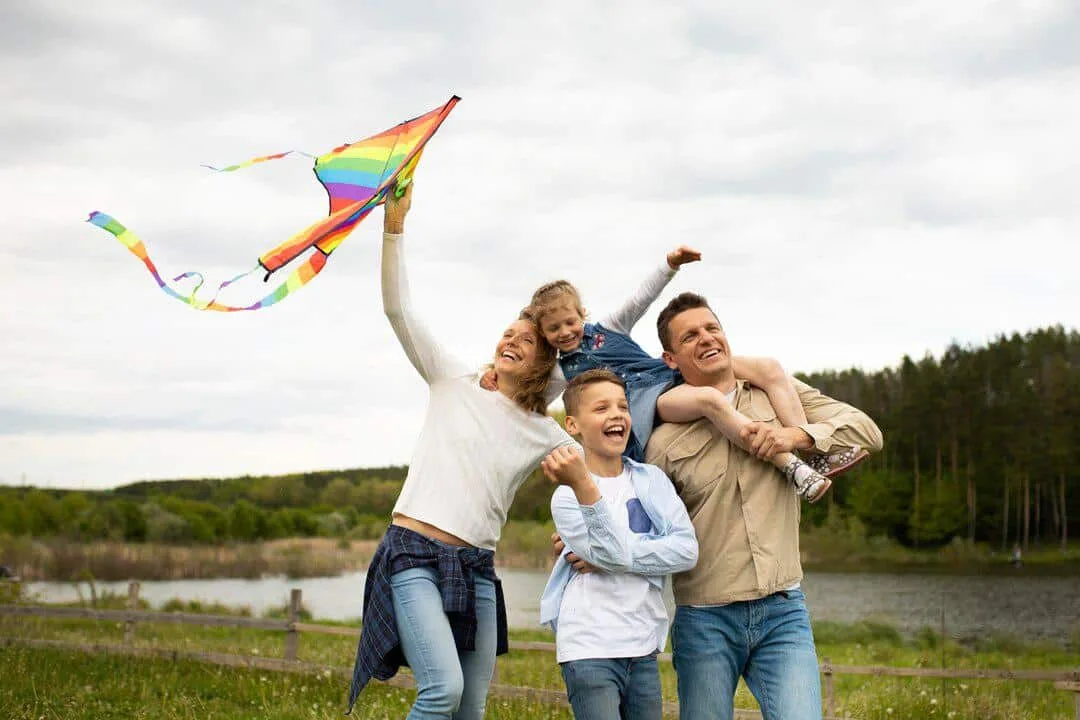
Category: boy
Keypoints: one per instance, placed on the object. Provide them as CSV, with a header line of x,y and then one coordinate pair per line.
x,y
622,517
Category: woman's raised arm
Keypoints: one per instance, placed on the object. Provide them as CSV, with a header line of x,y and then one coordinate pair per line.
x,y
429,359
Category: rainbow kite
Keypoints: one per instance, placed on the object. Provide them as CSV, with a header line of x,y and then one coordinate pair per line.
x,y
357,176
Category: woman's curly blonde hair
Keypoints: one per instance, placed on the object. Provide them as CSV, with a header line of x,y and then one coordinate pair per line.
x,y
533,385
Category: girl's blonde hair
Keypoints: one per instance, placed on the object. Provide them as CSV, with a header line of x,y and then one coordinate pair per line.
x,y
553,294
533,385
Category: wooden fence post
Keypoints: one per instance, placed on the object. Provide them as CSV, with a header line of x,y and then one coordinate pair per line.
x,y
830,697
132,605
292,639
1072,686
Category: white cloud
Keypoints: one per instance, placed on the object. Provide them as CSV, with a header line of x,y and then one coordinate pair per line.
x,y
865,181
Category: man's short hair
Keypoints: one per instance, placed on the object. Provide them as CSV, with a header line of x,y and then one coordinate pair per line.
x,y
680,303
572,395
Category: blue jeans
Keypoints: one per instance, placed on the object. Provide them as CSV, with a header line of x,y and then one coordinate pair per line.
x,y
449,684
614,688
766,641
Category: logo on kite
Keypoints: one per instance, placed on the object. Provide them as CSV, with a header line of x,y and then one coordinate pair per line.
x,y
357,177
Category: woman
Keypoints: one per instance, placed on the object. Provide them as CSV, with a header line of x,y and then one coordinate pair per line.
x,y
431,598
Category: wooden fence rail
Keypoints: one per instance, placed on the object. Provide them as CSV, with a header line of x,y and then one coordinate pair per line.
x,y
1065,680
130,617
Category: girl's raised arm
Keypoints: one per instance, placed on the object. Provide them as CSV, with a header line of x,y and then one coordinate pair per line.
x,y
624,319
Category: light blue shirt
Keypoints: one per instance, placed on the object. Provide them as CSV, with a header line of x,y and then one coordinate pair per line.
x,y
590,532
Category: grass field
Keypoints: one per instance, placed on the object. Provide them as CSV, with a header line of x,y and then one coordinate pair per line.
x,y
55,684
58,685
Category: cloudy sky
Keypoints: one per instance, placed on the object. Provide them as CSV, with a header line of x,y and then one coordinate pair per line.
x,y
864,180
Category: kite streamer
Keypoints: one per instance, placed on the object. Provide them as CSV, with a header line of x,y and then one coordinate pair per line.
x,y
357,176
253,161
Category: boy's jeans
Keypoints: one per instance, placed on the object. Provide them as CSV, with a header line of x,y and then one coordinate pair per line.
x,y
448,684
767,641
614,688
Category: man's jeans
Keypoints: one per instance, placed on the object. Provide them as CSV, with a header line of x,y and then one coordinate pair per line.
x,y
448,684
614,688
767,641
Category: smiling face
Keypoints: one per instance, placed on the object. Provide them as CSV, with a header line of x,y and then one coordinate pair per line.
x,y
601,417
699,348
515,352
563,325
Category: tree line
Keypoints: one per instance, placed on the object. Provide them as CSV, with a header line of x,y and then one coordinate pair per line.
x,y
980,444
353,503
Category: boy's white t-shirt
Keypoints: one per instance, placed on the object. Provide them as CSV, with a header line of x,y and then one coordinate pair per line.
x,y
613,615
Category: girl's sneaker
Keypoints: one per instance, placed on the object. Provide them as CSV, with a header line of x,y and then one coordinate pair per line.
x,y
808,482
837,463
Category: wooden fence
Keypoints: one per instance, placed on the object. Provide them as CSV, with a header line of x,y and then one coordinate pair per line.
x,y
1066,680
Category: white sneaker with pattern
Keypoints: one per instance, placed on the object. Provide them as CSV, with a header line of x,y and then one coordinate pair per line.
x,y
808,482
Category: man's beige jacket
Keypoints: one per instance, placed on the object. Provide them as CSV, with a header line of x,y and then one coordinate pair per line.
x,y
745,512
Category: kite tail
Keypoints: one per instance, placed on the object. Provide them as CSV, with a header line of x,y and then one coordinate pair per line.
x,y
138,249
300,277
255,161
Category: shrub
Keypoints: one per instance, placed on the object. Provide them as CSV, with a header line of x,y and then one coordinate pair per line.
x,y
205,608
281,612
866,632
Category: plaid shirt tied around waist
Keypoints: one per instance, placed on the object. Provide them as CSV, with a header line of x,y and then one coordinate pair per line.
x,y
379,654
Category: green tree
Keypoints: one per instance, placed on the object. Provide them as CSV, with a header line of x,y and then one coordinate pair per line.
x,y
943,515
281,523
375,496
13,515
134,521
43,513
337,494
216,520
164,526
243,521
882,500
274,528
199,530
105,522
75,509
303,523
333,525
283,491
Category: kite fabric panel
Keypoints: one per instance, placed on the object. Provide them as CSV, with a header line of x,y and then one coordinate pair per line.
x,y
357,176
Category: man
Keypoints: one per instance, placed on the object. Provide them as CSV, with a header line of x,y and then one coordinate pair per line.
x,y
740,612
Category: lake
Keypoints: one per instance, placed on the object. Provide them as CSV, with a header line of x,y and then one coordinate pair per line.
x,y
1029,606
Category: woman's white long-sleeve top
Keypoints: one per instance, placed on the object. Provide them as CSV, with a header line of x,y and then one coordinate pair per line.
x,y
477,446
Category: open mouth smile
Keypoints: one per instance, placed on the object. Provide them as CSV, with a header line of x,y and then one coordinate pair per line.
x,y
616,431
